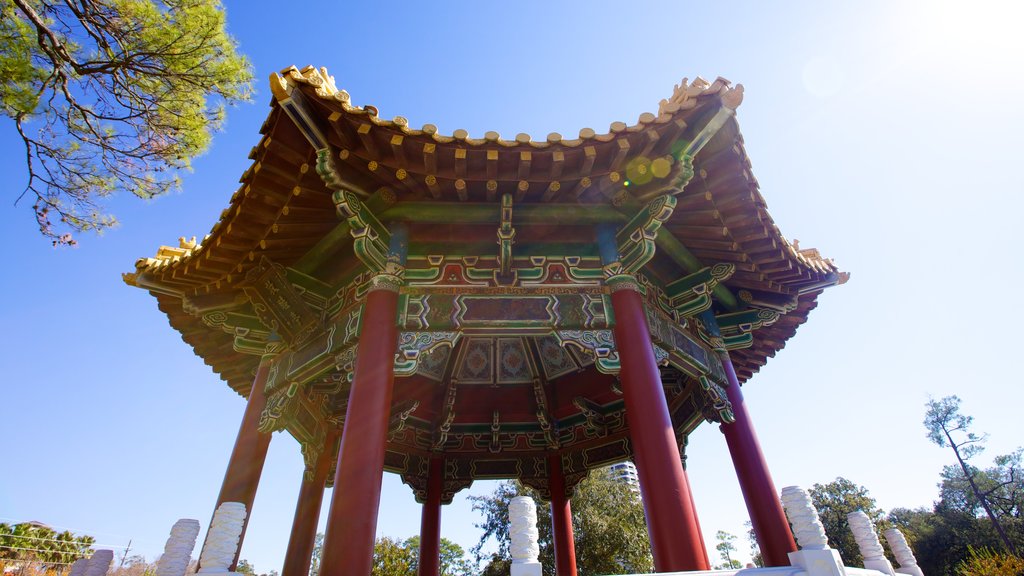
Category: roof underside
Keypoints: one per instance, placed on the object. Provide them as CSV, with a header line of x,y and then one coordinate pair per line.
x,y
448,189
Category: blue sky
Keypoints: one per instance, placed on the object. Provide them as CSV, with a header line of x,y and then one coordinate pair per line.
x,y
886,134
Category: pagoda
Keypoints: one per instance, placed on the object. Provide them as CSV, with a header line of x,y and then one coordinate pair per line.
x,y
450,308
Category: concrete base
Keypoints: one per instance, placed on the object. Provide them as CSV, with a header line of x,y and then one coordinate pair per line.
x,y
910,570
818,562
526,569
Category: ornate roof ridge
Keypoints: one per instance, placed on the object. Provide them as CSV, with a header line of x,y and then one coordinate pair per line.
x,y
685,96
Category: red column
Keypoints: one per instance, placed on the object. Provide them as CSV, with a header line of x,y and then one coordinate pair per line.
x,y
307,511
430,521
352,521
671,521
763,505
696,517
561,520
250,452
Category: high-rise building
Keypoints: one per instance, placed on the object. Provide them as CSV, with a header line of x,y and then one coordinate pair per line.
x,y
625,472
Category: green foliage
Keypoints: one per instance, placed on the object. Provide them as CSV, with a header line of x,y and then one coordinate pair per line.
x,y
318,552
244,567
755,549
988,563
948,427
38,544
943,418
113,95
834,501
393,557
726,548
608,525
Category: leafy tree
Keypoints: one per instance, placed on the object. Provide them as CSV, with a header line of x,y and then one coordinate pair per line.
x,y
244,567
452,556
318,552
988,563
726,547
755,549
394,557
946,426
32,542
112,95
608,526
834,501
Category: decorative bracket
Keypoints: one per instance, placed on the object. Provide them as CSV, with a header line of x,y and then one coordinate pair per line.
x,y
506,237
278,305
447,416
370,238
721,408
636,238
737,327
600,343
495,446
399,415
596,421
544,415
691,295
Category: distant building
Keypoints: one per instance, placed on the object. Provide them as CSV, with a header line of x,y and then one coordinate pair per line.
x,y
625,472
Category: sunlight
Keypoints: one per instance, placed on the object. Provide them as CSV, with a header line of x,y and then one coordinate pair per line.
x,y
972,37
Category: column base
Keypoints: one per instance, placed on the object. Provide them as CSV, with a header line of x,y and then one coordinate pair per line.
x,y
526,569
818,562
881,564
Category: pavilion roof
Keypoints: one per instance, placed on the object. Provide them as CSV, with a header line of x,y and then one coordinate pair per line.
x,y
283,209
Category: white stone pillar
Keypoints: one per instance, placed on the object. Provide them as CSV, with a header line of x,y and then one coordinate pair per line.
x,y
222,539
814,556
867,540
178,550
904,555
522,514
99,563
78,567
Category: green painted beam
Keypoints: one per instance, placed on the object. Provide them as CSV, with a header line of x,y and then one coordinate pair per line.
x,y
491,249
490,213
675,250
340,236
324,249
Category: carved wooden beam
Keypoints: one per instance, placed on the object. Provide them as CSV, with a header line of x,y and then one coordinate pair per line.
x,y
278,305
399,415
544,414
506,236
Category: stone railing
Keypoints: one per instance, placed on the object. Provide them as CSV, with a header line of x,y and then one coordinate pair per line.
x,y
814,558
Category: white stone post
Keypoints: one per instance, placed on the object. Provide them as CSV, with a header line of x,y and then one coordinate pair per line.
x,y
867,540
78,567
178,550
814,556
222,539
522,515
99,563
904,555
